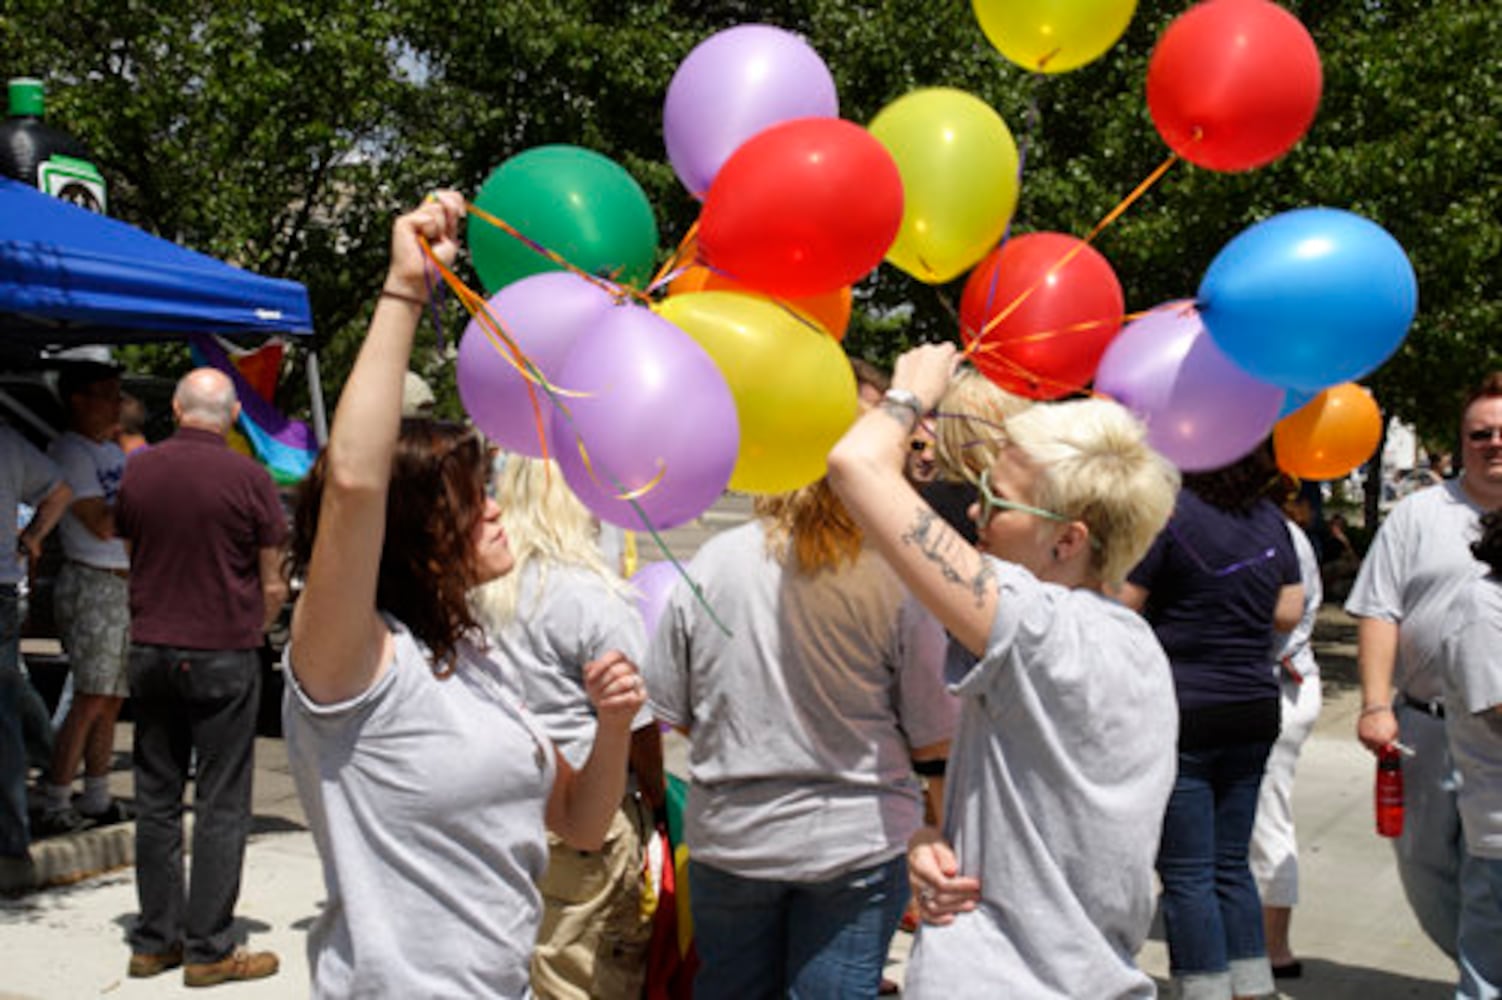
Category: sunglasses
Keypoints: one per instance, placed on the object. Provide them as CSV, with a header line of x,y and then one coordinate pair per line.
x,y
990,503
1483,435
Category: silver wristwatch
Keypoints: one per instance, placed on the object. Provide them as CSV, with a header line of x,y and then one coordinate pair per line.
x,y
907,399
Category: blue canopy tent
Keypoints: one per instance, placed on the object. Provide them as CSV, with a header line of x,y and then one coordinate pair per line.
x,y
68,275
72,277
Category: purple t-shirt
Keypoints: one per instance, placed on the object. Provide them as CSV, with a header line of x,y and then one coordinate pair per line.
x,y
1213,578
197,515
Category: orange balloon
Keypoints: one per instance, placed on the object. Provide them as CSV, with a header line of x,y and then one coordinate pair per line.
x,y
830,310
1329,436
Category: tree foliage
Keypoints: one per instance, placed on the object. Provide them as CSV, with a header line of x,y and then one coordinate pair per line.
x,y
284,136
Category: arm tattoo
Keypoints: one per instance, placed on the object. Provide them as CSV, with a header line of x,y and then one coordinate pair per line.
x,y
939,543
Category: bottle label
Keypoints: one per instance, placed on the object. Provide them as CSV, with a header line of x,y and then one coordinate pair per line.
x,y
76,181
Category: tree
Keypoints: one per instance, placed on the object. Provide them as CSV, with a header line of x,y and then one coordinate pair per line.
x,y
285,136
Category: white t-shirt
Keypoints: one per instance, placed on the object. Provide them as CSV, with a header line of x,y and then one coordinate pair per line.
x,y
26,476
426,798
1295,644
1473,690
566,616
1058,780
1417,565
804,717
91,469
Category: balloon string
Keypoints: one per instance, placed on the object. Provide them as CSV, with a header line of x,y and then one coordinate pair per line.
x,y
1075,250
1028,134
1081,327
677,263
472,301
493,329
618,290
676,267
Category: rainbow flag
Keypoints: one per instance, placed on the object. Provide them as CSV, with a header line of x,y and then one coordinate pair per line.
x,y
286,447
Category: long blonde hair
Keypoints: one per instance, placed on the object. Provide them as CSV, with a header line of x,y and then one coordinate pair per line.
x,y
969,430
546,524
810,527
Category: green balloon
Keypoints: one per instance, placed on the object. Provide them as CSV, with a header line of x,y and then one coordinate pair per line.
x,y
580,205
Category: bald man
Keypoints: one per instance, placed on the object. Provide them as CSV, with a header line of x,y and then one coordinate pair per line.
x,y
205,531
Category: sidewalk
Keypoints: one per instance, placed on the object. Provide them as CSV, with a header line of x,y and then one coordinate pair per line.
x,y
1353,930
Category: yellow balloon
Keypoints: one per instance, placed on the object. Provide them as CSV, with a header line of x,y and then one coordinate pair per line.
x,y
1053,36
959,180
792,384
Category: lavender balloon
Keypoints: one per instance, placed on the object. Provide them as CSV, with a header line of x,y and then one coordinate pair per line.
x,y
731,86
654,583
655,416
1201,410
544,314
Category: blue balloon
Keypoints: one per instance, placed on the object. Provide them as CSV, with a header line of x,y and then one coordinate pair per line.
x,y
1309,298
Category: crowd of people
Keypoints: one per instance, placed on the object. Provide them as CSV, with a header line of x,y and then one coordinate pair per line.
x,y
1004,668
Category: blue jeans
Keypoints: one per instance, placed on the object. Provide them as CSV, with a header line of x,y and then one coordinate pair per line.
x,y
820,940
1211,911
15,835
1480,937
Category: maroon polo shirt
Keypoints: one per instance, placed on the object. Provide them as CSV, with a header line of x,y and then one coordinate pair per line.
x,y
197,514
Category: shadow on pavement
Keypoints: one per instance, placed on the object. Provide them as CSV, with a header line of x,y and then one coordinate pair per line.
x,y
1326,980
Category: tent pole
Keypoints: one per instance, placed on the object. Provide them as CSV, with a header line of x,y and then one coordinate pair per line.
x,y
315,400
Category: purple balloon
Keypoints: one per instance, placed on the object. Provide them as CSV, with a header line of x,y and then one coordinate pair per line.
x,y
654,583
733,85
544,314
655,416
1201,410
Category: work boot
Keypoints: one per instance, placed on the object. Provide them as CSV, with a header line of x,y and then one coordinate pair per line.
x,y
144,964
238,964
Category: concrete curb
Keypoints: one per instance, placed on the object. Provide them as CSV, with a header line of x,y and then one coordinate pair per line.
x,y
72,858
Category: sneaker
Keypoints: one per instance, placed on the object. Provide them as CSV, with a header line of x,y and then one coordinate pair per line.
x,y
238,964
143,964
58,822
115,812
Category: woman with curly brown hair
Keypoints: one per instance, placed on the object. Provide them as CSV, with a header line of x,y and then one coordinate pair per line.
x,y
425,782
809,696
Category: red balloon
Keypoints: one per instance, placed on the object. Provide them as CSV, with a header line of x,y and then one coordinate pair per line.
x,y
1050,342
803,207
1233,84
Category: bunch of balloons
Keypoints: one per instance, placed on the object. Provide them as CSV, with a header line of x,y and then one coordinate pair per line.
x,y
735,378
1289,313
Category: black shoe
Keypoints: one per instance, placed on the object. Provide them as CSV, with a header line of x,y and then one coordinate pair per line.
x,y
58,822
115,812
1292,970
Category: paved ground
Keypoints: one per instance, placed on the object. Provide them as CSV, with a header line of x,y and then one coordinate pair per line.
x,y
1353,929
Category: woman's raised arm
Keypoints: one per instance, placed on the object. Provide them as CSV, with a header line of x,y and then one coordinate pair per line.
x,y
939,566
339,643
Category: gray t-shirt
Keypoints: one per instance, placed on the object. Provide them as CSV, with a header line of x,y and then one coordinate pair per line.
x,y
26,475
91,469
1417,565
1058,781
1295,644
566,616
804,717
426,799
1473,690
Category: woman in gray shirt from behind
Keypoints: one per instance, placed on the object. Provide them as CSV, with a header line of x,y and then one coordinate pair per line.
x,y
807,693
